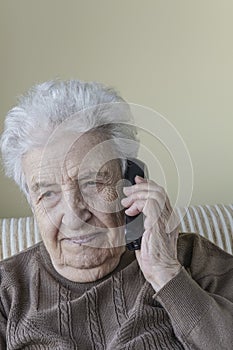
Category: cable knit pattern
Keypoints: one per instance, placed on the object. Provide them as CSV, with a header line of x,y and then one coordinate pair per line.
x,y
64,310
40,309
94,321
118,299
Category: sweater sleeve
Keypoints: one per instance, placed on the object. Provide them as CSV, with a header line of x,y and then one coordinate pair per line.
x,y
3,324
200,301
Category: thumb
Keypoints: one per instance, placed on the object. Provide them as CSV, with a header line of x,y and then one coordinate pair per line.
x,y
138,179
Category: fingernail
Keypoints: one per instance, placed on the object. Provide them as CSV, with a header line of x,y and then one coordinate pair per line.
x,y
139,177
124,201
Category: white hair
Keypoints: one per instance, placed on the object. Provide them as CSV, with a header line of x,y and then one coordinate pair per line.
x,y
45,106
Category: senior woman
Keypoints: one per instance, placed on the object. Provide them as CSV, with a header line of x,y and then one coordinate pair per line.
x,y
66,145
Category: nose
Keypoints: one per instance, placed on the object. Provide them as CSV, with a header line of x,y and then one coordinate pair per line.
x,y
75,212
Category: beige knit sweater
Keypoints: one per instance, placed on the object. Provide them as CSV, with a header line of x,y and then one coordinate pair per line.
x,y
39,309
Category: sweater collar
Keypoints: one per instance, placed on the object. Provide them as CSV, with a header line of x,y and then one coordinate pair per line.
x,y
126,259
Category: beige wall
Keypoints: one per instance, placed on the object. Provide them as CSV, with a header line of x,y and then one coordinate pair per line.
x,y
173,56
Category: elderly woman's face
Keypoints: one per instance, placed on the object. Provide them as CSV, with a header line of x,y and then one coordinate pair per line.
x,y
73,192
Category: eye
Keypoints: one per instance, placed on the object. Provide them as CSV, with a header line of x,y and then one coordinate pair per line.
x,y
49,198
91,183
47,194
88,183
91,186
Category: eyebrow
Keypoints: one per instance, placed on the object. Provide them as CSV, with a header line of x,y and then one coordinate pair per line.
x,y
93,173
43,184
38,185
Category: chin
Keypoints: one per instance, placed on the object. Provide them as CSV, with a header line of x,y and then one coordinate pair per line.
x,y
91,257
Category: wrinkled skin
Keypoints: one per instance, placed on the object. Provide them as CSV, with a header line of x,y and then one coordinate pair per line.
x,y
74,195
70,197
158,255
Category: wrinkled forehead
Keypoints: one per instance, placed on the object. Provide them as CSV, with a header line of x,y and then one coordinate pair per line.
x,y
71,153
91,147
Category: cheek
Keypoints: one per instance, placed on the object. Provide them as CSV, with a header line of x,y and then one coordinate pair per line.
x,y
109,194
105,200
112,220
108,201
48,223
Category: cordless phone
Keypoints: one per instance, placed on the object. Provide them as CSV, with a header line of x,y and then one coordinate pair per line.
x,y
134,226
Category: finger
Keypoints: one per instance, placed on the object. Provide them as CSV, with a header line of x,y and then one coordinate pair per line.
x,y
144,195
136,208
138,179
152,212
143,186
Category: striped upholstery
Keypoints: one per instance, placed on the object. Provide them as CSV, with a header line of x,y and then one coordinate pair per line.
x,y
213,222
16,235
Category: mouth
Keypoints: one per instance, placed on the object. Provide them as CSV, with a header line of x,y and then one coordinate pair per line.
x,y
83,238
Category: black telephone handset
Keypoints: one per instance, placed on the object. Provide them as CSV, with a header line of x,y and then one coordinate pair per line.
x,y
134,227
